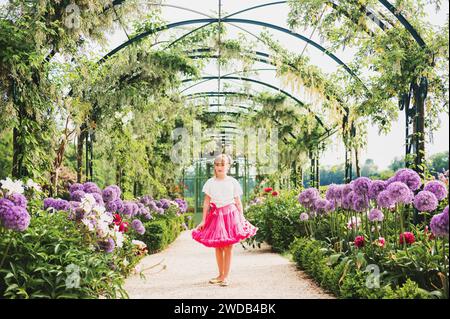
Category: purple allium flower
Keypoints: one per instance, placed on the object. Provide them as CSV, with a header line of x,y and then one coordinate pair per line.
x,y
57,204
390,180
18,200
14,217
5,204
384,200
437,188
108,245
360,203
409,177
331,192
400,193
331,206
146,200
425,201
376,188
164,203
129,208
346,189
77,196
75,187
182,204
347,203
114,206
439,224
362,185
160,210
74,205
138,226
98,198
320,205
110,194
376,215
308,197
91,188
304,217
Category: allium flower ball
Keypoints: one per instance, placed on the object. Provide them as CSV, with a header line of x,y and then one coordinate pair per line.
x,y
330,207
110,194
425,201
391,180
75,187
409,177
346,189
407,237
308,197
77,196
347,202
360,203
138,226
331,192
439,224
108,245
400,193
376,187
359,241
320,205
18,200
14,217
376,215
384,200
304,217
437,188
91,188
361,186
114,206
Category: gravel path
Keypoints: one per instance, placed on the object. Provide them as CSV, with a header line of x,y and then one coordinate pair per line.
x,y
186,266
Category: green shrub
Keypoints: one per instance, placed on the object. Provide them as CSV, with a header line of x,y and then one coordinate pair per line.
x,y
41,259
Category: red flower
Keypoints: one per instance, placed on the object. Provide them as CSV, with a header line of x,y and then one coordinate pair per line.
x,y
407,237
268,189
274,193
123,227
359,241
117,219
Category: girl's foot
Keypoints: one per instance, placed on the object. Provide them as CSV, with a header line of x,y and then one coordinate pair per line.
x,y
215,280
224,283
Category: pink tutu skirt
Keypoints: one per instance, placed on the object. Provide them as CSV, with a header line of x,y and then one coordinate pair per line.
x,y
224,226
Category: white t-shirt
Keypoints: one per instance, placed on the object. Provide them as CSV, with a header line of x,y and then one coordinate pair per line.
x,y
222,192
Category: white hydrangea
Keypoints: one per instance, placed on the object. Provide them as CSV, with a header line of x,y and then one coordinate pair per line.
x,y
88,203
33,185
12,187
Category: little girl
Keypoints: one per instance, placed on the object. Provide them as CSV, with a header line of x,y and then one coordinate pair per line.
x,y
223,222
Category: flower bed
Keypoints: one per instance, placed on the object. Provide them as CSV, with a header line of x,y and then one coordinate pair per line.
x,y
83,246
361,229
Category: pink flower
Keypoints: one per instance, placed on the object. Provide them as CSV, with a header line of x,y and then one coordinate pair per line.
x,y
381,242
268,189
274,193
359,241
407,237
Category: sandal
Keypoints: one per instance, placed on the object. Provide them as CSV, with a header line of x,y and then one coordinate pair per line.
x,y
215,281
224,283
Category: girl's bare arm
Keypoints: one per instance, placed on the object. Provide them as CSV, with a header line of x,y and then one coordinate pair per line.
x,y
206,203
238,203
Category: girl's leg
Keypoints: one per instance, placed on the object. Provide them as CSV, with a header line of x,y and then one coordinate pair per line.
x,y
220,261
227,260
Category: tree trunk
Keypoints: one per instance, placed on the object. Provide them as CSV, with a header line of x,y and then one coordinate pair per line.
x,y
80,143
358,168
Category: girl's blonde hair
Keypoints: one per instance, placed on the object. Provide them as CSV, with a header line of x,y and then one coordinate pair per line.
x,y
220,158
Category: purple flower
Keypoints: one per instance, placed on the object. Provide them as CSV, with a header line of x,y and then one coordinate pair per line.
x,y
146,200
75,187
439,224
384,200
330,207
304,217
347,203
111,193
376,215
361,186
91,188
360,203
98,198
18,200
182,204
308,197
376,188
108,245
437,188
346,189
425,201
57,204
14,217
138,226
114,206
391,180
320,205
164,203
129,208
409,177
331,192
400,193
77,196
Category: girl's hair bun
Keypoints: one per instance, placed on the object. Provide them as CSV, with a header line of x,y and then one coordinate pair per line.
x,y
221,156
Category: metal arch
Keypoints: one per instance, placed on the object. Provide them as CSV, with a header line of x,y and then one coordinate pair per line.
x,y
264,84
369,14
228,20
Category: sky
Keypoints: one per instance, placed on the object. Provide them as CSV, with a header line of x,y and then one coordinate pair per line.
x,y
381,148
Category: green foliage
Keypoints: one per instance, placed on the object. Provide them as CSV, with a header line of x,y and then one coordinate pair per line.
x,y
39,261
